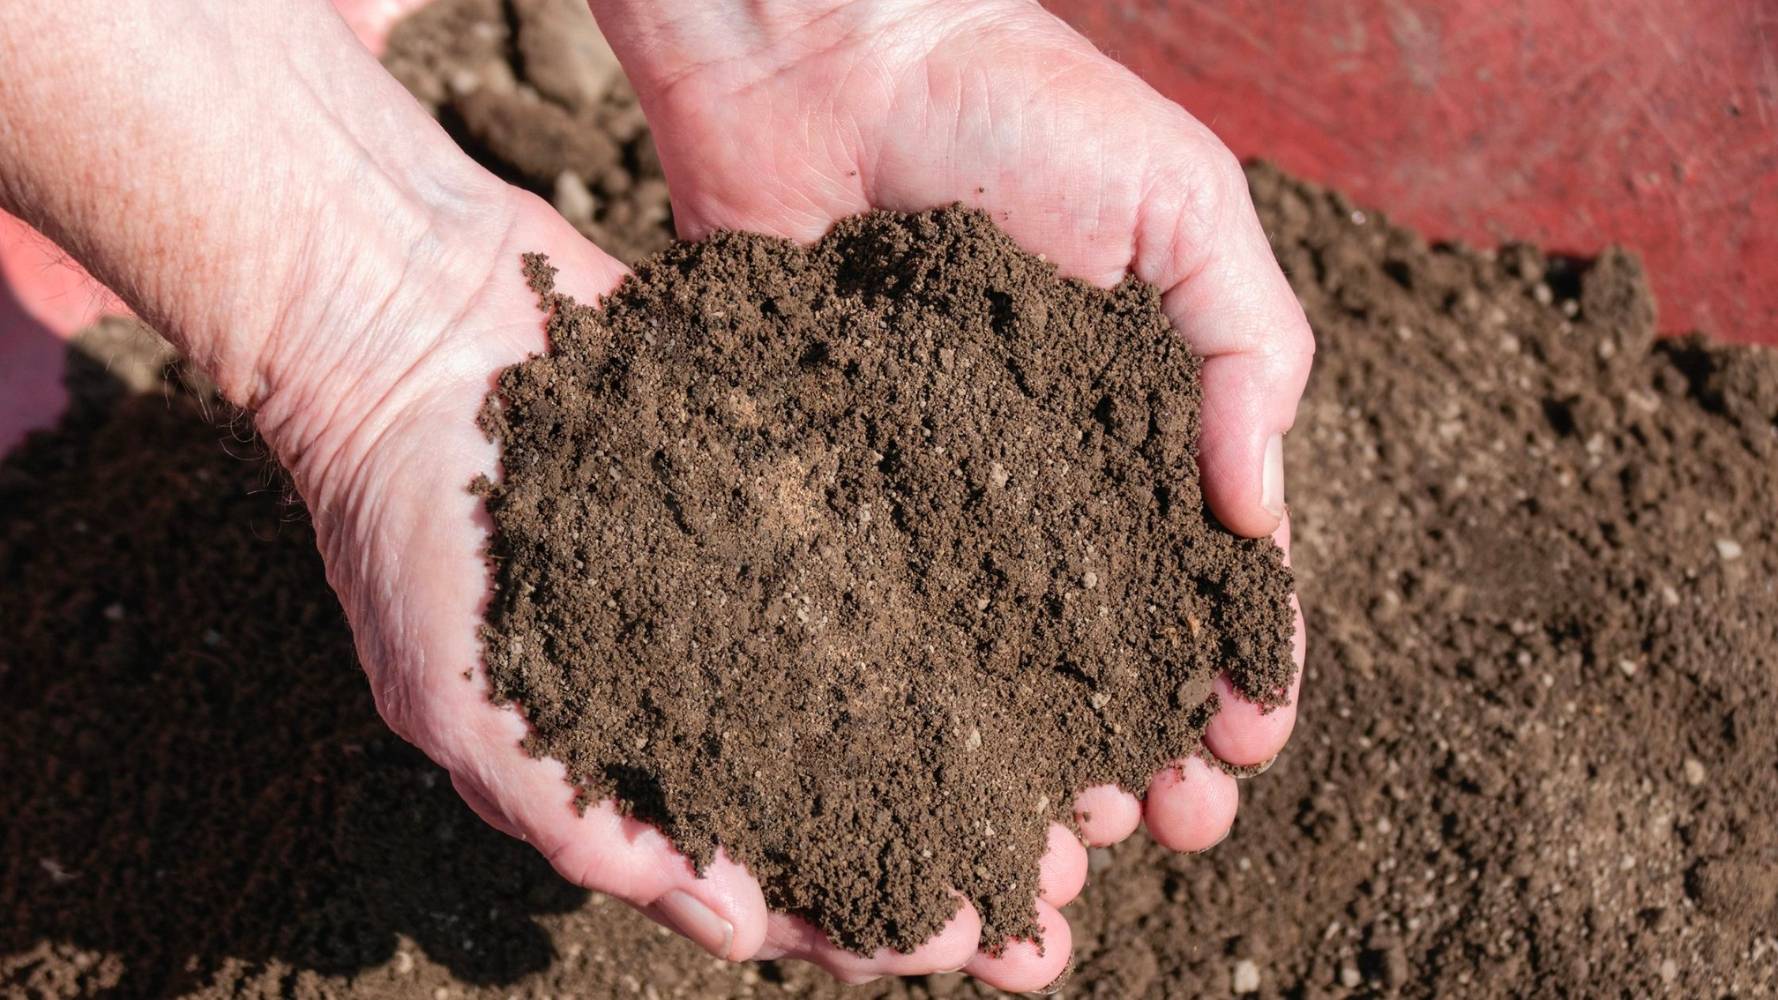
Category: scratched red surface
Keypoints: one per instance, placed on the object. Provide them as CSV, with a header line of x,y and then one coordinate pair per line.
x,y
1570,123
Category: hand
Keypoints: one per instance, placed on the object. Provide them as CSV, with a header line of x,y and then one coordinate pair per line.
x,y
356,283
784,116
363,319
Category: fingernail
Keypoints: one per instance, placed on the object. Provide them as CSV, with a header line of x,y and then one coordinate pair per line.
x,y
1271,480
688,916
1057,983
1263,766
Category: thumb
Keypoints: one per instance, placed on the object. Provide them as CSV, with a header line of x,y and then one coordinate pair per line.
x,y
1237,311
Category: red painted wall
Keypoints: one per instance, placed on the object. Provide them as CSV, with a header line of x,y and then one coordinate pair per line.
x,y
1573,124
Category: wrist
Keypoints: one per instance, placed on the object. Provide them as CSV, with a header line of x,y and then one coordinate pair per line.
x,y
279,213
372,330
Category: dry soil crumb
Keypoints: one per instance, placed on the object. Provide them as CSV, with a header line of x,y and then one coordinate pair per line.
x,y
861,560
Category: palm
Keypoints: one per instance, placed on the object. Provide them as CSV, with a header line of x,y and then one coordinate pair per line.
x,y
1006,109
402,536
833,125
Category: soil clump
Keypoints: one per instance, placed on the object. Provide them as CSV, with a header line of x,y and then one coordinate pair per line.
x,y
860,560
533,91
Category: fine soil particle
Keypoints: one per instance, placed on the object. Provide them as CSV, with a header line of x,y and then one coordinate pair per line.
x,y
201,800
860,560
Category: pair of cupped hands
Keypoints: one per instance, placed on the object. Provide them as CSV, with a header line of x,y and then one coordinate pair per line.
x,y
248,179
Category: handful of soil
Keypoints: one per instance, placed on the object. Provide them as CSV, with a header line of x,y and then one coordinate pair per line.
x,y
860,560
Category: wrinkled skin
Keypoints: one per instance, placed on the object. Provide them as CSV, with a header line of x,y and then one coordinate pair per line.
x,y
775,118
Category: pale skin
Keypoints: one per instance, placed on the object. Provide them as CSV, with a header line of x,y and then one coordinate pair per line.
x,y
247,178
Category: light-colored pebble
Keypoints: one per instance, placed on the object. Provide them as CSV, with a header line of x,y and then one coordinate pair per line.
x,y
573,198
1246,978
1694,772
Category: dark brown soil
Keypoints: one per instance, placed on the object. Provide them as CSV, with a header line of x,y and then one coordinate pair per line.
x,y
1477,474
861,560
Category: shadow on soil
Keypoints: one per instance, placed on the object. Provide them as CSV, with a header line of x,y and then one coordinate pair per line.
x,y
197,787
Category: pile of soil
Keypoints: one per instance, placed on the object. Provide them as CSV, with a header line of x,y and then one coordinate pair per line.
x,y
532,90
1537,753
861,560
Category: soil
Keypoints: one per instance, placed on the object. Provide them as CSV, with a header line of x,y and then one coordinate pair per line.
x,y
1537,752
531,88
861,560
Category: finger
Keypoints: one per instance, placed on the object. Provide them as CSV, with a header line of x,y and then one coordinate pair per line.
x,y
1243,733
32,358
1234,307
46,286
1063,871
948,950
721,910
1106,814
1191,807
1024,966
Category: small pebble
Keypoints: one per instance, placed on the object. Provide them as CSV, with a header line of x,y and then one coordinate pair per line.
x,y
1350,977
464,82
114,612
1669,970
404,963
1727,549
1090,580
572,198
1694,772
1628,667
997,475
1246,979
974,740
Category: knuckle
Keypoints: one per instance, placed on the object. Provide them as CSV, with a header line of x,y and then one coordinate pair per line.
x,y
1213,187
1192,200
